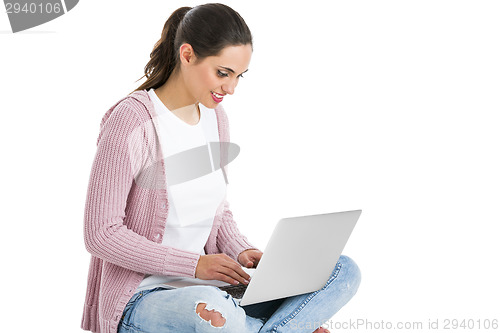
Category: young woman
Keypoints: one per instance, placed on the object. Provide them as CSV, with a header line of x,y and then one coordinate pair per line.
x,y
143,229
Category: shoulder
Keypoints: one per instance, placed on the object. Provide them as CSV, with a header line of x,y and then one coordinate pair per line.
x,y
128,113
135,106
138,103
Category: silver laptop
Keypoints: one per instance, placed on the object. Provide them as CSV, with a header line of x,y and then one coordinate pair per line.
x,y
299,258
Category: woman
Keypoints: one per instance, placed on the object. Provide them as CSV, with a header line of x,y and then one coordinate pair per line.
x,y
143,229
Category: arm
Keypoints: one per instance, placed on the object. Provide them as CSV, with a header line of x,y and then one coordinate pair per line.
x,y
111,179
231,250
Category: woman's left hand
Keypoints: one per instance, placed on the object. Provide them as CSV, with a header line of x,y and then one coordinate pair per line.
x,y
250,258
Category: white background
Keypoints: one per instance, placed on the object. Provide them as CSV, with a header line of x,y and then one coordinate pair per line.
x,y
386,106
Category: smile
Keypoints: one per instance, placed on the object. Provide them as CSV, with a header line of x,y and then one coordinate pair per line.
x,y
217,97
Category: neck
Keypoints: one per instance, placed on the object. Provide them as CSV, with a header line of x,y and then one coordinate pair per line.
x,y
177,99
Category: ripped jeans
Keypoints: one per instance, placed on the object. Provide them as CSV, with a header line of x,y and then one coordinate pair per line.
x,y
209,309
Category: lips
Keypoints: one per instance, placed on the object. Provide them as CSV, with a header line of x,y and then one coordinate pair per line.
x,y
217,97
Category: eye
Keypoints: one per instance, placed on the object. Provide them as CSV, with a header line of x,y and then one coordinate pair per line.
x,y
221,74
241,75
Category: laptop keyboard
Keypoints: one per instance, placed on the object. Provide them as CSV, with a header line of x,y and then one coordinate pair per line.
x,y
236,291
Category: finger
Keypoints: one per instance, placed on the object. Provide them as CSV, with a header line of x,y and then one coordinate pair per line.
x,y
242,273
239,274
224,278
234,276
236,267
254,260
258,255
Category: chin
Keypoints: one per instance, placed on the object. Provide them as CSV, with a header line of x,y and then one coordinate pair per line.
x,y
211,104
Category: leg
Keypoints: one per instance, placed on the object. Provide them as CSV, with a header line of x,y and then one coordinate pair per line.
x,y
305,313
190,309
213,317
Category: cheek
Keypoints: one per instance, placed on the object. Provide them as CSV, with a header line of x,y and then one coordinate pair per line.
x,y
202,81
208,80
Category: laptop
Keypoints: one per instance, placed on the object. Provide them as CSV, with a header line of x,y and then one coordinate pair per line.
x,y
299,258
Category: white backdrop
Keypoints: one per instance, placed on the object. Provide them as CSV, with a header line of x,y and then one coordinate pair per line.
x,y
386,106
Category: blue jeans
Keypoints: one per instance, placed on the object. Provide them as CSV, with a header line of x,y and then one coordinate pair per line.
x,y
175,310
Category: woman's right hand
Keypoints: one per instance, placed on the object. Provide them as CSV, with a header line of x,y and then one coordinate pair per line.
x,y
220,267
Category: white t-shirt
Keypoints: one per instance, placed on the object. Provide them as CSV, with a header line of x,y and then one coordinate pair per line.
x,y
192,203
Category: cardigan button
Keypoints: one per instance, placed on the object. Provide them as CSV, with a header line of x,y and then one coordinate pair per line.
x,y
163,205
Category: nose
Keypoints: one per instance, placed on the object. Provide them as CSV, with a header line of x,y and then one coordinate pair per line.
x,y
229,87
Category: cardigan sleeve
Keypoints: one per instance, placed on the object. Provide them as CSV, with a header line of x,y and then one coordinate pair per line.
x,y
111,179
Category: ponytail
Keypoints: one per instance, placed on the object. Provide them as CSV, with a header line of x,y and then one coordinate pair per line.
x,y
163,57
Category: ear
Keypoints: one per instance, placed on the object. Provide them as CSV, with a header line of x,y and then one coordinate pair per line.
x,y
186,54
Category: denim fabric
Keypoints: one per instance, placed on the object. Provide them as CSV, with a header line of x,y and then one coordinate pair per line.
x,y
162,310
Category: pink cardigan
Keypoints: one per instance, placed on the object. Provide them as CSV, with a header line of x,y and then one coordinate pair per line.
x,y
126,212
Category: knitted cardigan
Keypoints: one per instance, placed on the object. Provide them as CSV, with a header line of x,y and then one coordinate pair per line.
x,y
126,210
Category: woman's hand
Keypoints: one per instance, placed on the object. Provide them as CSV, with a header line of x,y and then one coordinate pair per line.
x,y
250,258
220,267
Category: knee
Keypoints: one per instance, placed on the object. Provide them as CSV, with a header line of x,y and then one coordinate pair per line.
x,y
213,317
218,310
351,274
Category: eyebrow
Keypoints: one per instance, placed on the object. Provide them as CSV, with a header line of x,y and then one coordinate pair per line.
x,y
231,70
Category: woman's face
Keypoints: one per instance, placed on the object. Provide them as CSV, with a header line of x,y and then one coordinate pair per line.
x,y
210,79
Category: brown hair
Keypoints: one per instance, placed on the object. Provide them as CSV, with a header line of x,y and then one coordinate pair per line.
x,y
208,28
